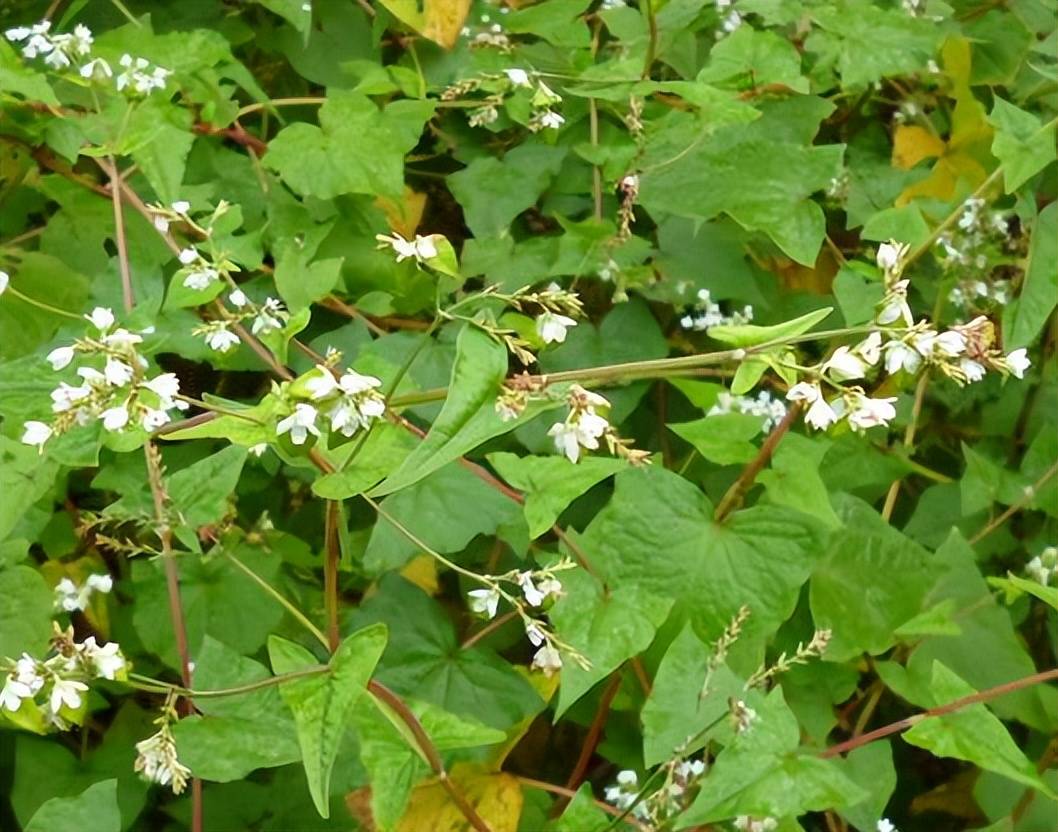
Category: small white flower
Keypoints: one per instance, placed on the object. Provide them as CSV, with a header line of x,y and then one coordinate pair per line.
x,y
971,369
115,418
885,825
36,433
12,694
950,344
868,413
201,279
117,372
66,692
535,633
870,348
580,430
550,587
100,583
165,386
844,365
901,356
353,383
1018,362
322,385
258,449
101,318
299,424
181,206
60,357
551,119
890,255
221,340
5,280
518,77
532,595
153,419
238,298
96,68
187,256
485,601
547,659
552,327
121,338
107,658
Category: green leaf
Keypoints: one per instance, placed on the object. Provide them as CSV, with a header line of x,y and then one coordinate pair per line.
x,y
857,297
247,432
866,551
25,477
201,491
42,278
657,535
722,438
357,149
322,704
468,417
581,815
238,734
383,452
18,78
750,335
972,734
1021,143
1015,587
493,192
607,628
446,510
162,155
295,12
26,609
675,711
756,58
93,810
301,283
793,479
871,767
1039,292
551,483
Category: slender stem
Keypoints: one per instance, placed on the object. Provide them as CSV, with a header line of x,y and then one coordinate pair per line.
x,y
596,171
156,685
952,218
433,758
1016,507
332,557
313,100
222,411
488,629
652,40
533,783
591,739
278,596
958,704
127,297
909,439
46,307
733,497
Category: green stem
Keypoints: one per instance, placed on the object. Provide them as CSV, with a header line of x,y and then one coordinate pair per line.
x,y
157,686
47,307
278,596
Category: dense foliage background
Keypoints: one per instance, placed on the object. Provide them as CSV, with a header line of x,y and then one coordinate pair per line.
x,y
562,416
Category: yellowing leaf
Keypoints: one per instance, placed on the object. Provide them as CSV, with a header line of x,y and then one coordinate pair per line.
x,y
441,20
497,798
422,571
912,144
404,216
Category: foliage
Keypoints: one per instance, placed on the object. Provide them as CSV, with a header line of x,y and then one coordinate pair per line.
x,y
571,415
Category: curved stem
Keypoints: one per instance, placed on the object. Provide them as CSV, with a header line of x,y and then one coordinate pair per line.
x,y
1016,507
278,596
533,783
156,685
46,307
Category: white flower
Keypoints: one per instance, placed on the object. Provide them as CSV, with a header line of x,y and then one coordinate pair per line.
x,y
867,413
259,449
299,424
421,248
322,385
885,825
200,279
97,68
820,415
65,397
549,587
107,658
121,338
353,383
949,344
153,419
5,280
238,298
870,348
518,77
115,418
221,340
580,430
181,206
901,356
845,365
100,583
13,692
60,357
535,633
547,659
36,433
66,692
161,225
552,327
269,317
485,601
551,119
532,595
1018,362
890,255
101,318
166,387
187,256
156,758
117,373
971,369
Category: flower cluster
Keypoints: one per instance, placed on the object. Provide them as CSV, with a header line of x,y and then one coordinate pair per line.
x,y
116,390
771,409
497,88
745,823
707,312
69,596
730,19
350,402
156,757
671,798
963,353
63,51
535,591
52,689
1043,568
265,318
969,251
486,32
584,425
